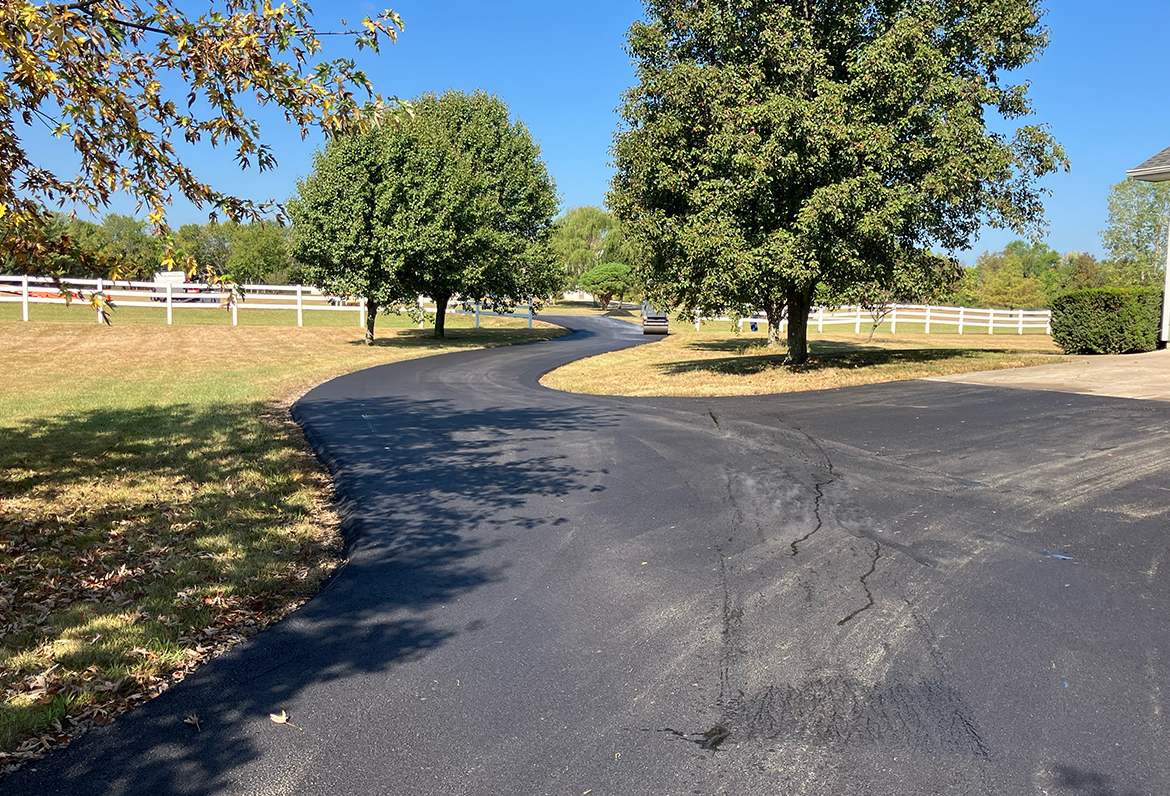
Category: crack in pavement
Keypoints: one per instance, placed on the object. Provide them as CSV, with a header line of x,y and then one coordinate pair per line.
x,y
732,617
819,486
877,553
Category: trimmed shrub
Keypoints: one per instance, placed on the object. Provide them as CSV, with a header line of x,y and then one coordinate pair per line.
x,y
1107,320
606,281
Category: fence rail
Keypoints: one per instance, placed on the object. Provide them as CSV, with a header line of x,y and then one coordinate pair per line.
x,y
183,296
966,319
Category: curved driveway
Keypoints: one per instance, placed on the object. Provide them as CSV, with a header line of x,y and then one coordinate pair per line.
x,y
910,588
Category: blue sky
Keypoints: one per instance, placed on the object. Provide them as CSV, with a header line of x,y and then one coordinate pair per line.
x,y
561,68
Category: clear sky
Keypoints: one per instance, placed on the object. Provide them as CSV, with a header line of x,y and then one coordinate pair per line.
x,y
561,68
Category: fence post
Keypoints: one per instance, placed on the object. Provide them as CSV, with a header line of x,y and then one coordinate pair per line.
x,y
362,312
101,315
962,310
928,319
1021,325
991,321
820,319
300,306
477,315
1048,323
698,321
24,296
235,307
894,319
530,312
170,287
857,325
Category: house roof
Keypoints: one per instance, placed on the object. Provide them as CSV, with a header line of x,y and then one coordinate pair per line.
x,y
1156,169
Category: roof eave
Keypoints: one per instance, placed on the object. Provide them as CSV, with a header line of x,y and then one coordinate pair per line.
x,y
1159,174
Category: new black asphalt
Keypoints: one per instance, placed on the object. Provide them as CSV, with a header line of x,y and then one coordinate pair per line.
x,y
909,588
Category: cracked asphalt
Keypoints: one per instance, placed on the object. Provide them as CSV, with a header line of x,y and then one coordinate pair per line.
x,y
909,588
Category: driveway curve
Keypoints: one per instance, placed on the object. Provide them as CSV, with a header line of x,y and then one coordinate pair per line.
x,y
907,588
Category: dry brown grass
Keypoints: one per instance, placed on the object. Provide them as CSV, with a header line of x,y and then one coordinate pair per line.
x,y
708,363
157,503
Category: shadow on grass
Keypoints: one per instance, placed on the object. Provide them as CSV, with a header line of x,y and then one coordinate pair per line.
x,y
432,498
109,511
757,358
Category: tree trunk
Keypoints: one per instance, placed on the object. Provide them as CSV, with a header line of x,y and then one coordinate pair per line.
x,y
441,314
799,303
371,316
774,310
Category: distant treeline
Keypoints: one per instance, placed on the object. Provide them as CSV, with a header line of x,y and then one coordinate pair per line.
x,y
249,253
1029,276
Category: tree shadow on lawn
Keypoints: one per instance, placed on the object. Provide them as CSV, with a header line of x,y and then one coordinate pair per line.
x,y
463,337
756,358
432,496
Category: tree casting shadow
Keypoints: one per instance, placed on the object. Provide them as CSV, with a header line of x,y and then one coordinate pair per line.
x,y
431,495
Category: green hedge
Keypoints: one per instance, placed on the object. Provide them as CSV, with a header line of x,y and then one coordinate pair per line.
x,y
1107,320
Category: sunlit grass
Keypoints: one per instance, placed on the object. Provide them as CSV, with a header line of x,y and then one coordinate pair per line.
x,y
157,503
710,363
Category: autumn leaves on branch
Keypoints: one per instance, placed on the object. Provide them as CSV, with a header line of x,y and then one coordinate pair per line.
x,y
124,81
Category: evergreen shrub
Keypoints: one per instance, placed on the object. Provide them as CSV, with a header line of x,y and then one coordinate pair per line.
x,y
1107,320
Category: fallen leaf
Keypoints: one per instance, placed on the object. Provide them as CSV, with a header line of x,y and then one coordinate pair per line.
x,y
282,718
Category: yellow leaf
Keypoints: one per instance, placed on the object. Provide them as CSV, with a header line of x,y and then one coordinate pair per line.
x,y
282,718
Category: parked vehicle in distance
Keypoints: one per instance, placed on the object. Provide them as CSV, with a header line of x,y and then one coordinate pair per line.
x,y
181,289
42,294
654,321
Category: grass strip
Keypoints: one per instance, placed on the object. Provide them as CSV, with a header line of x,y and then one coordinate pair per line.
x,y
157,504
714,363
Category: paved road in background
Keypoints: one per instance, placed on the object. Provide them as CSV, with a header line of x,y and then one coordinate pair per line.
x,y
910,588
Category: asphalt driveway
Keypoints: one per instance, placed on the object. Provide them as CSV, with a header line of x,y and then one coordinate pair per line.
x,y
909,588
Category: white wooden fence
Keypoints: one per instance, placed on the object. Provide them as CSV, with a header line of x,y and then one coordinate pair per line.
x,y
967,319
174,296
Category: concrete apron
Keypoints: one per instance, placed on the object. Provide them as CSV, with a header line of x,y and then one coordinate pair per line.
x,y
1145,376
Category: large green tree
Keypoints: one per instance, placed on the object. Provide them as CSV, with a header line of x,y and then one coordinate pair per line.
x,y
448,200
771,148
578,240
335,232
584,237
1135,237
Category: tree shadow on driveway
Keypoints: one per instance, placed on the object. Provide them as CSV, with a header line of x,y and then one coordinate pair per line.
x,y
431,496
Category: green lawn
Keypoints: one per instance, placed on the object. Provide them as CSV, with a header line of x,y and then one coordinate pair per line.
x,y
157,503
710,363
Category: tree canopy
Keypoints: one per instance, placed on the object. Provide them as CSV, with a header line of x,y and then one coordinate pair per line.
x,y
1005,281
1136,233
578,239
584,237
124,81
448,200
772,148
606,281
